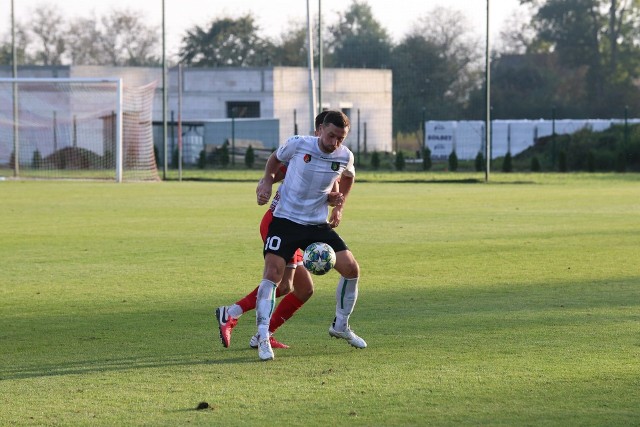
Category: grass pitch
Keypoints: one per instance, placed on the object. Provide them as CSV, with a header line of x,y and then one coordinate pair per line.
x,y
509,303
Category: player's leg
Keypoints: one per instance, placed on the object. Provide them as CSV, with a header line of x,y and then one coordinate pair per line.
x,y
227,315
287,278
274,266
347,290
302,291
281,244
346,297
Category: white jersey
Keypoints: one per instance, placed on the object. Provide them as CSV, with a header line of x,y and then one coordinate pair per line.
x,y
311,174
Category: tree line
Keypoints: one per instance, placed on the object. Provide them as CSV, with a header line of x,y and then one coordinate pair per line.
x,y
567,58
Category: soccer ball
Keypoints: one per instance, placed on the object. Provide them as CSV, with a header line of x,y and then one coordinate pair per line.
x,y
319,258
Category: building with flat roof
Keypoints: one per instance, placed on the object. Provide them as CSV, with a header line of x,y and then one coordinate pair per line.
x,y
265,105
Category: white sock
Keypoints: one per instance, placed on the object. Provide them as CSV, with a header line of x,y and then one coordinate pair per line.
x,y
264,306
346,296
234,311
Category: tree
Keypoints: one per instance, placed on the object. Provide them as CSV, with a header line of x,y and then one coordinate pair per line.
x,y
49,32
357,40
120,38
291,49
84,42
434,67
600,36
226,42
126,40
22,42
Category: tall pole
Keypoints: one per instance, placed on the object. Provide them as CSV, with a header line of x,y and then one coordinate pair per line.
x,y
358,158
180,148
14,61
320,56
164,94
487,127
312,89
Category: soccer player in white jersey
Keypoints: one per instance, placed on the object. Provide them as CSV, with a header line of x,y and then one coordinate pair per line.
x,y
296,285
300,218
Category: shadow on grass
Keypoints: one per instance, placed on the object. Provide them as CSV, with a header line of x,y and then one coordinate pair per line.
x,y
61,345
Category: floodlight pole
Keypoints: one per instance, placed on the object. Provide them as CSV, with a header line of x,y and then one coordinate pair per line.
x,y
320,57
14,61
164,95
488,106
312,89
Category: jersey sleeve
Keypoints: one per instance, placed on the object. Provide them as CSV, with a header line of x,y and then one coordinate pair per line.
x,y
350,169
286,151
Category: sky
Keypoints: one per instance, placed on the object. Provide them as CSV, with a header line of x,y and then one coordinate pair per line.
x,y
272,15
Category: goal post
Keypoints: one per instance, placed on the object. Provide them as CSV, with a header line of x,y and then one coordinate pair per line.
x,y
76,128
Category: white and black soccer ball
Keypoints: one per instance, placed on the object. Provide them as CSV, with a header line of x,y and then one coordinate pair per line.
x,y
319,258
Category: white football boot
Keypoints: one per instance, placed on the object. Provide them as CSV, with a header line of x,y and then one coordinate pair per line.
x,y
265,352
348,335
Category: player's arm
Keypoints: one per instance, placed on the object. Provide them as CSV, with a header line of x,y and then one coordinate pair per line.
x,y
346,182
282,171
335,197
263,191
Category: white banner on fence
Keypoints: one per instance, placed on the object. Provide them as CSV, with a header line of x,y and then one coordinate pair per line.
x,y
467,136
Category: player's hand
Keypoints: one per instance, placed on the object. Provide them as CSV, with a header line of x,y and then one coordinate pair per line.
x,y
335,217
335,198
263,192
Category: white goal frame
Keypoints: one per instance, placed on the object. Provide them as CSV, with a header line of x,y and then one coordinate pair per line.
x,y
118,108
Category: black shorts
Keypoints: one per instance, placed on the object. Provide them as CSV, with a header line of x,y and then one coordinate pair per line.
x,y
285,236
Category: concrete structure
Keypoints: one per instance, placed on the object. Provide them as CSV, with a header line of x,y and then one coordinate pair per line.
x,y
250,94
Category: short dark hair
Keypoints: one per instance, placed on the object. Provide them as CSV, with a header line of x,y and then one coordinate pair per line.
x,y
338,119
320,118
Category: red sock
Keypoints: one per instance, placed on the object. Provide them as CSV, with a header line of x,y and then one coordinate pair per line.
x,y
287,307
248,303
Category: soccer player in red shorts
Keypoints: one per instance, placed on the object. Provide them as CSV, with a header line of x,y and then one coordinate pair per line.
x,y
296,285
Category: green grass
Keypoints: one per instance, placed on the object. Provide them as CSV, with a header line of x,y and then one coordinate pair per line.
x,y
509,303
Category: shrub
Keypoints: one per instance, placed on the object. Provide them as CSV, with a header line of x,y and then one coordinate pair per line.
x,y
535,164
621,161
249,157
479,162
562,161
400,163
223,155
375,160
591,161
453,161
507,164
202,159
175,158
426,159
36,161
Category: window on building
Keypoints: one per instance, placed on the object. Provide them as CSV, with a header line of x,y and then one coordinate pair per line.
x,y
243,109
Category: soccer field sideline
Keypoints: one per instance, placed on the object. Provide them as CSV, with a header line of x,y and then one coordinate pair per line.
x,y
513,303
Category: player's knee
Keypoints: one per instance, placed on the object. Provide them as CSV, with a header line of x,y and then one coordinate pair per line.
x,y
347,266
273,269
352,271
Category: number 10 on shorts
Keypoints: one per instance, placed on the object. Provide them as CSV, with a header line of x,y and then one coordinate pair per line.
x,y
272,243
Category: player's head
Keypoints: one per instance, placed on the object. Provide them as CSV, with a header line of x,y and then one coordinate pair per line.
x,y
319,120
333,131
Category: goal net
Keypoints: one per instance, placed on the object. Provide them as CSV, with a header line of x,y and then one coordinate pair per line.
x,y
66,128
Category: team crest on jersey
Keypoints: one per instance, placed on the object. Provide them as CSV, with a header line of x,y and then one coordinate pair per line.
x,y
335,166
307,158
